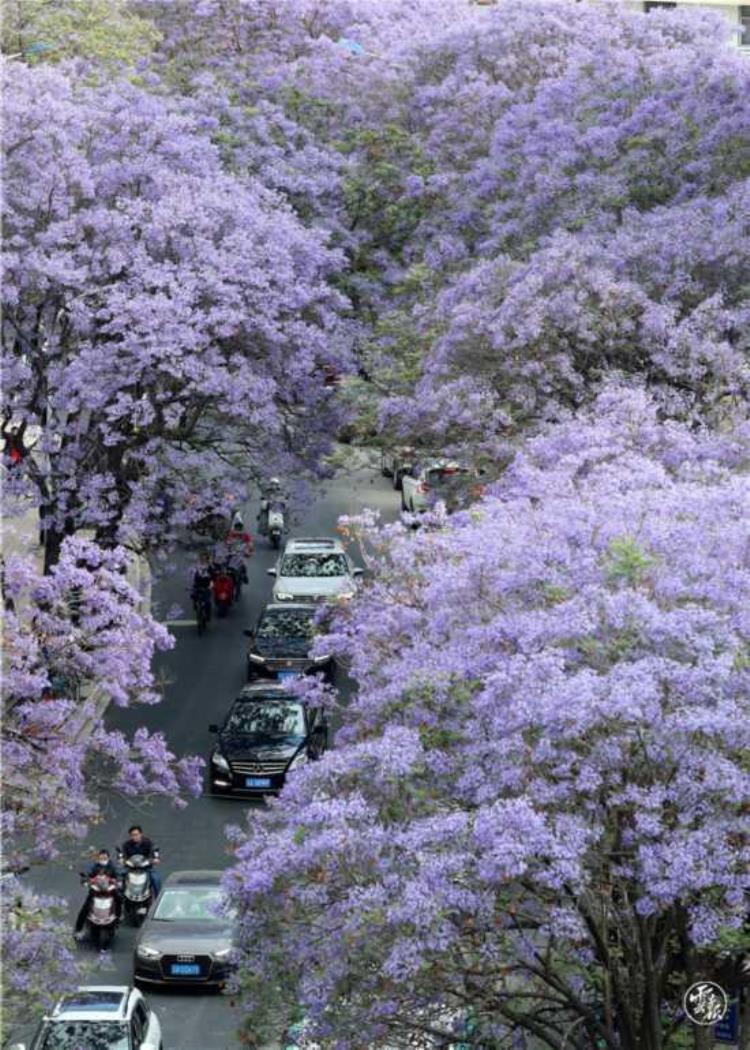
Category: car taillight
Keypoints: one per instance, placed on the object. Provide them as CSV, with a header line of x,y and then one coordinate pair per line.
x,y
423,487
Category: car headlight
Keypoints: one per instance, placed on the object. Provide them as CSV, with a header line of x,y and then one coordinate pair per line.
x,y
223,954
256,658
321,659
346,595
145,951
284,596
297,761
218,760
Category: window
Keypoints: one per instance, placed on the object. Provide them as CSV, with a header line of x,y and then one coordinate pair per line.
x,y
314,565
657,5
744,25
191,905
266,722
104,1035
286,623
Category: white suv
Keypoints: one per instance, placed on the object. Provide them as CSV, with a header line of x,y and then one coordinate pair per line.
x,y
112,1016
435,480
313,569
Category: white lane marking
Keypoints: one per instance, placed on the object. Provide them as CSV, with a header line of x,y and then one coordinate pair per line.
x,y
179,623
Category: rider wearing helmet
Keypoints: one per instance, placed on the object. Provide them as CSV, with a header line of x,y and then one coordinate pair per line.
x,y
239,545
271,492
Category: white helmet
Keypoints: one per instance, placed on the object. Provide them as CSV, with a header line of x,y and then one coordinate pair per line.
x,y
237,522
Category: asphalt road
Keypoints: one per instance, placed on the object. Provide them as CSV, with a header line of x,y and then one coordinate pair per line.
x,y
201,677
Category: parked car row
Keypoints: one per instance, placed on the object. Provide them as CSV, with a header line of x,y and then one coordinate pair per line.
x,y
427,478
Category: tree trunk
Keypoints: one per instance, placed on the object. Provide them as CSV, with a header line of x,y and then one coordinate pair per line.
x,y
53,541
703,1038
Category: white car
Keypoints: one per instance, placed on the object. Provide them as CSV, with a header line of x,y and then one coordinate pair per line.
x,y
433,481
113,1016
314,569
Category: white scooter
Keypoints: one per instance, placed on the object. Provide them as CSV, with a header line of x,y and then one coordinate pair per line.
x,y
271,520
136,891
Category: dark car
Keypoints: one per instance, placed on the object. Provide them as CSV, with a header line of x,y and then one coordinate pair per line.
x,y
185,938
280,643
266,734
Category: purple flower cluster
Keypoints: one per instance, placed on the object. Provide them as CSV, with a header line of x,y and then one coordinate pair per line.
x,y
547,750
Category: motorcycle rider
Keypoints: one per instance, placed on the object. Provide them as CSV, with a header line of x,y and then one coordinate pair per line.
x,y
102,865
271,492
202,580
238,545
138,843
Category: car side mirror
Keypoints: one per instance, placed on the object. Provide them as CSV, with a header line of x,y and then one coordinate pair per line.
x,y
271,572
213,728
249,634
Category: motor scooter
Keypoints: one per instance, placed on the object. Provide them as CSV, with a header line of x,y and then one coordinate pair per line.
x,y
276,523
223,587
101,918
137,892
271,521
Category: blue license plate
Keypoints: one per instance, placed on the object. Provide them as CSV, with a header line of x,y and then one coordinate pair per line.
x,y
185,969
258,782
287,674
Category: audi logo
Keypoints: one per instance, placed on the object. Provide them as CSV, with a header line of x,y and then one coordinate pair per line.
x,y
185,958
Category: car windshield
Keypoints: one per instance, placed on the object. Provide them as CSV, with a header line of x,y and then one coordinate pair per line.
x,y
191,904
286,623
314,565
268,721
86,1035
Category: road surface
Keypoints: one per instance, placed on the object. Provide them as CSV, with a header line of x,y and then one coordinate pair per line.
x,y
202,676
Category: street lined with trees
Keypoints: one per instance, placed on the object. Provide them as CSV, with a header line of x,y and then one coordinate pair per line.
x,y
238,233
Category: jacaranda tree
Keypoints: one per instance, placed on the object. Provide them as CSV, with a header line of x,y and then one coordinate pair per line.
x,y
587,200
70,638
159,312
535,819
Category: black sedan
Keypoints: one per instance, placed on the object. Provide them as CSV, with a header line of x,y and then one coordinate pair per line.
x,y
266,735
185,938
280,643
